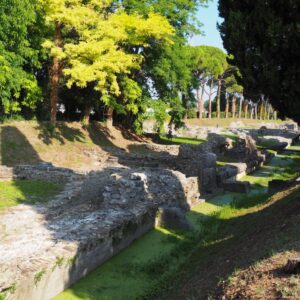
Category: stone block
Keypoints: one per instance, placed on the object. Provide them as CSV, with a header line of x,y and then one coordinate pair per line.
x,y
277,185
172,218
237,186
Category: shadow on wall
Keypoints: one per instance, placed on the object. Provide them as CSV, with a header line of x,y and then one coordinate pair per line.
x,y
15,148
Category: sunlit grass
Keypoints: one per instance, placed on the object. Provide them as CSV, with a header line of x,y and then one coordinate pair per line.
x,y
180,140
26,192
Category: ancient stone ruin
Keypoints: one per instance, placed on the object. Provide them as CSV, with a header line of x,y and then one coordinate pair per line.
x,y
101,212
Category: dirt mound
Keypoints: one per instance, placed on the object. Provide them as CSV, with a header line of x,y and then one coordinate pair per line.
x,y
70,145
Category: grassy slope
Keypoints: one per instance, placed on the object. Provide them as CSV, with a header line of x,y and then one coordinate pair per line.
x,y
149,265
32,142
244,238
26,192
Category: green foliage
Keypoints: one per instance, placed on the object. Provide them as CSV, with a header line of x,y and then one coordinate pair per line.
x,y
4,294
159,111
263,37
191,113
113,56
167,68
99,55
18,85
210,61
38,276
180,13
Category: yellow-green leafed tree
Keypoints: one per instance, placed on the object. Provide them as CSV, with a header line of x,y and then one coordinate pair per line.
x,y
94,48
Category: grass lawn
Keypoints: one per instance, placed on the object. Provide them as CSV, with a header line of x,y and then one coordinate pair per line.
x,y
295,148
178,140
26,192
249,123
150,264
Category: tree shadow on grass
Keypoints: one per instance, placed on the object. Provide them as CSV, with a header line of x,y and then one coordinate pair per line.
x,y
61,132
15,148
101,136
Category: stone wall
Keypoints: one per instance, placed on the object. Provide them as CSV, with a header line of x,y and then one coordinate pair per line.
x,y
73,234
101,213
43,171
6,173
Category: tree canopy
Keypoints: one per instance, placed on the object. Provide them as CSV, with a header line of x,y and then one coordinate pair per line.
x,y
116,59
263,37
17,57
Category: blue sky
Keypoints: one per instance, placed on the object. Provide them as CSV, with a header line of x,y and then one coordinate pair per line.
x,y
209,16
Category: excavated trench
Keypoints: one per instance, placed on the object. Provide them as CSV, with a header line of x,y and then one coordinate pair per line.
x,y
46,248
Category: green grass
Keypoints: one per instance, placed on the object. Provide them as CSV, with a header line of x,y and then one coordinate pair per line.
x,y
267,143
26,192
294,147
281,167
178,140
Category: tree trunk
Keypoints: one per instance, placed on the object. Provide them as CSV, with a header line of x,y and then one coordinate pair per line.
x,y
201,106
55,75
233,107
209,99
86,114
227,107
200,102
219,99
109,116
246,104
261,111
266,110
255,111
240,108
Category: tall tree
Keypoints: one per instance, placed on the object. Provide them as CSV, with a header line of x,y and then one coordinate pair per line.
x,y
233,89
211,69
166,70
263,37
18,59
95,47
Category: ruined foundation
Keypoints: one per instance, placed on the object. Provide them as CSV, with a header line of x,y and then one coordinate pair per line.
x,y
46,248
